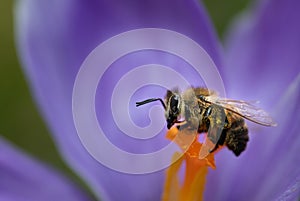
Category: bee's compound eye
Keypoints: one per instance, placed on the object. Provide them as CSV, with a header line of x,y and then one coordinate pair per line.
x,y
174,103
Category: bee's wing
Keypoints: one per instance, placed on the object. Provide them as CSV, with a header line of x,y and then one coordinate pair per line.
x,y
245,109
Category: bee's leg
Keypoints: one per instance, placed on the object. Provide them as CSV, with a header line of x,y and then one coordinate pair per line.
x,y
181,125
217,121
214,134
214,149
191,124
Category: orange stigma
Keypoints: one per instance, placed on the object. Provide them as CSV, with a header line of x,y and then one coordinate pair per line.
x,y
196,169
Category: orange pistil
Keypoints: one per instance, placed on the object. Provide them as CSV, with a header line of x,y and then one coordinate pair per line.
x,y
195,169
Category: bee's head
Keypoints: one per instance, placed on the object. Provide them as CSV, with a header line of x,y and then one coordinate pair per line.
x,y
173,110
172,106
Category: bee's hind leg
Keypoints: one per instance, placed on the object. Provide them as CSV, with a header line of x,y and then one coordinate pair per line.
x,y
214,149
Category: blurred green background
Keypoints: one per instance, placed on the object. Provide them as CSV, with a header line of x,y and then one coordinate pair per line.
x,y
20,121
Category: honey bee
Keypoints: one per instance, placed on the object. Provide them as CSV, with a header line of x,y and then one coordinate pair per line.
x,y
202,110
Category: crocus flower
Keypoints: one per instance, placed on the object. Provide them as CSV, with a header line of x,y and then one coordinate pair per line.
x,y
260,63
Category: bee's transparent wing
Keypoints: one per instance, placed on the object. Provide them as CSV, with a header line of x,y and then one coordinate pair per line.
x,y
245,109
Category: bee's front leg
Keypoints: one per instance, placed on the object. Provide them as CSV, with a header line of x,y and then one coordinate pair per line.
x,y
191,124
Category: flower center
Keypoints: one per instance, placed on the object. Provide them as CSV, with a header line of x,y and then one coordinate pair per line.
x,y
196,169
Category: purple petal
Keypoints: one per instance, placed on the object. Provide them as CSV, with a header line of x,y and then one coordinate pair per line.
x,y
22,178
54,38
263,64
262,52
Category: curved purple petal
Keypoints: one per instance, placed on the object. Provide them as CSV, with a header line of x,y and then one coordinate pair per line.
x,y
262,52
22,178
54,38
263,64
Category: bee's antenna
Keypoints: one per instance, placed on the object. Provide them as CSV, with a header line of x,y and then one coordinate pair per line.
x,y
151,100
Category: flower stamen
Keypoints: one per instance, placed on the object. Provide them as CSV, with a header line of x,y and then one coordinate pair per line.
x,y
196,169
